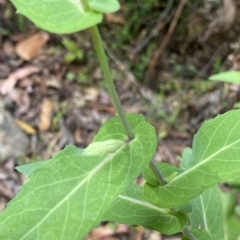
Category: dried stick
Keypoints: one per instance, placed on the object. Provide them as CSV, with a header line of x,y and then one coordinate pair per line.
x,y
158,53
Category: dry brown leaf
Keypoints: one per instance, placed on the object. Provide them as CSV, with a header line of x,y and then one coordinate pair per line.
x,y
7,85
30,47
45,115
115,18
25,127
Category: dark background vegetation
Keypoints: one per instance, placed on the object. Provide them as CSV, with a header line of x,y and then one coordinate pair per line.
x,y
52,92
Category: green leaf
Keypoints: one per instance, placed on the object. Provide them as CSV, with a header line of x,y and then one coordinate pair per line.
x,y
186,158
199,234
101,148
166,170
215,158
230,77
58,16
68,195
70,45
28,169
104,6
130,208
231,221
69,57
207,213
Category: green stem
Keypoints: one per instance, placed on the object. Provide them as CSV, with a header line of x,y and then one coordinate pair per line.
x,y
188,234
157,173
109,81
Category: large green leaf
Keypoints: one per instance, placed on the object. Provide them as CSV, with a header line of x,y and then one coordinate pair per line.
x,y
199,234
104,6
131,208
68,195
215,158
230,77
58,16
207,213
231,221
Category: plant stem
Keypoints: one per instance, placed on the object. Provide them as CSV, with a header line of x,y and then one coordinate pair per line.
x,y
114,96
157,173
97,40
188,234
109,81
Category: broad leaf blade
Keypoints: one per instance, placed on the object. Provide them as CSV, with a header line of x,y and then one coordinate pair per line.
x,y
231,220
67,196
58,16
215,158
130,208
230,77
207,213
104,6
199,234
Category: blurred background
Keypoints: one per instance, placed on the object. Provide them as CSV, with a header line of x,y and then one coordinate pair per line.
x,y
161,52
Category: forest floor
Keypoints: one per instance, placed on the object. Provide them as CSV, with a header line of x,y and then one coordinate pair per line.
x,y
52,91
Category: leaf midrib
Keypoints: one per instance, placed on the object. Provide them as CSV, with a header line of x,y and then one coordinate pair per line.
x,y
145,204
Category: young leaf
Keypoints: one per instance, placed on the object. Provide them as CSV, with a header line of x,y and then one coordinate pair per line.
x,y
207,213
215,158
68,195
231,222
58,16
230,77
131,208
104,6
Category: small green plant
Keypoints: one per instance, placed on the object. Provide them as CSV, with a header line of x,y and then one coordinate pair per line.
x,y
73,192
74,53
